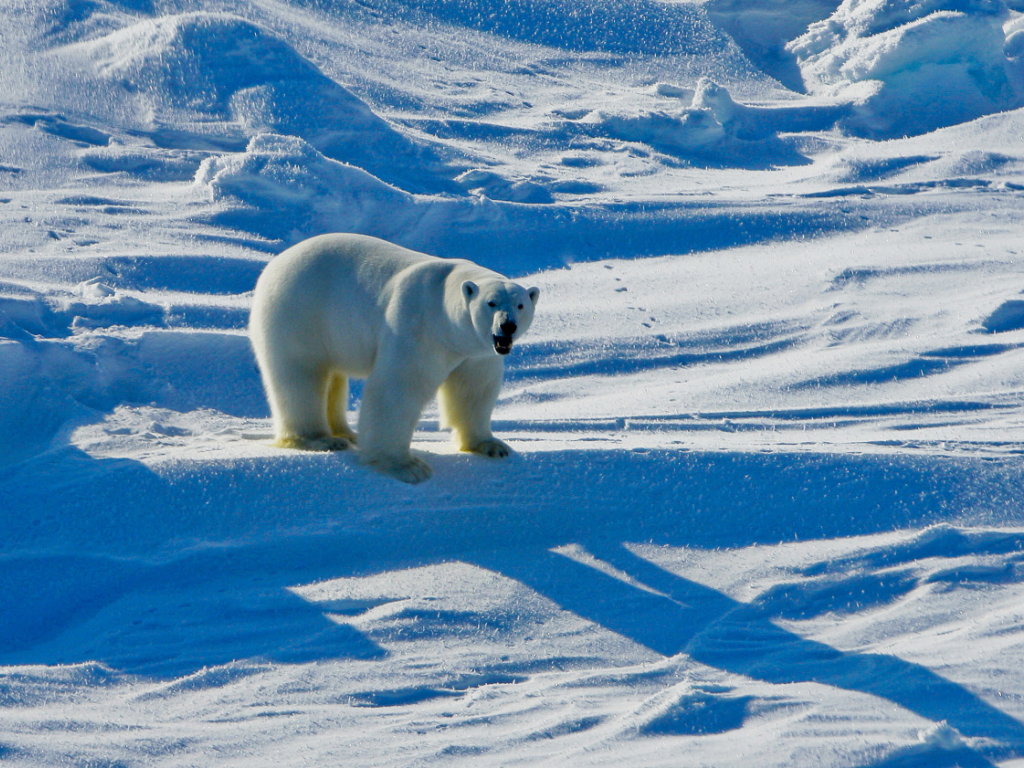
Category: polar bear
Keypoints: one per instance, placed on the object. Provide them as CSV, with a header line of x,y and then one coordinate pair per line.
x,y
342,305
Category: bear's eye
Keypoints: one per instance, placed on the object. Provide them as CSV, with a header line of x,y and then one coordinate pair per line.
x,y
520,306
491,304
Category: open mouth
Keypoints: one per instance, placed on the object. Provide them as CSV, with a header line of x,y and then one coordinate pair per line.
x,y
502,344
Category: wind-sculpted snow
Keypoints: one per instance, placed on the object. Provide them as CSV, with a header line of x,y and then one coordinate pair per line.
x,y
765,507
209,81
933,64
763,29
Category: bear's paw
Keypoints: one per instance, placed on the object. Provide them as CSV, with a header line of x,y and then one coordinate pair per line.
x,y
325,443
492,448
411,470
347,435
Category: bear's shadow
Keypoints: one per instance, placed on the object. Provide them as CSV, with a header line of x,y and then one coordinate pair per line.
x,y
166,610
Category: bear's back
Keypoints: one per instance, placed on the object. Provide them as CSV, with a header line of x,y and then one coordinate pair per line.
x,y
340,293
354,270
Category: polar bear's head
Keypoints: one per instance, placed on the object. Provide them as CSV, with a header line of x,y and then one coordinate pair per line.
x,y
501,311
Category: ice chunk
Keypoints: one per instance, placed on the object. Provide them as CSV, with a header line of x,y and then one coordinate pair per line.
x,y
94,290
746,122
937,63
691,129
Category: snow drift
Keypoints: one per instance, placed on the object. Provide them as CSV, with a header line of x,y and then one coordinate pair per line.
x,y
224,79
933,64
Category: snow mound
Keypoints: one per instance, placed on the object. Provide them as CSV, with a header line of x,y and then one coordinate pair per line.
x,y
934,63
311,193
715,129
93,304
228,79
306,189
68,356
52,385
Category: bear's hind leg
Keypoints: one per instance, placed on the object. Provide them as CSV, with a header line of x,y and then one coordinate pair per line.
x,y
337,407
298,401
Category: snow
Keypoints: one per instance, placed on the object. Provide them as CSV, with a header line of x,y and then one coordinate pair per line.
x,y
765,507
935,63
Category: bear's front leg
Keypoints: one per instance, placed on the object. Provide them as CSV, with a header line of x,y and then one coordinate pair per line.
x,y
467,399
391,409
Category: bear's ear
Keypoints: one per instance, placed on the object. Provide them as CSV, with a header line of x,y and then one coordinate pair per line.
x,y
469,290
534,295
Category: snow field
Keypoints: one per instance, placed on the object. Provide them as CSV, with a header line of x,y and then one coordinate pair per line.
x,y
765,507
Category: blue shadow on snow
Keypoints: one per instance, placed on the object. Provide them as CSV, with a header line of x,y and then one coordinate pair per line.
x,y
163,575
713,629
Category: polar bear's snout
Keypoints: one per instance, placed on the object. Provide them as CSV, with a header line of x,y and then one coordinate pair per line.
x,y
504,336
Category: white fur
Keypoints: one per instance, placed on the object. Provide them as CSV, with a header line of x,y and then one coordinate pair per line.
x,y
413,325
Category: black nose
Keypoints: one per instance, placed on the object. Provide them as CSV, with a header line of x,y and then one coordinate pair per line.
x,y
508,328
